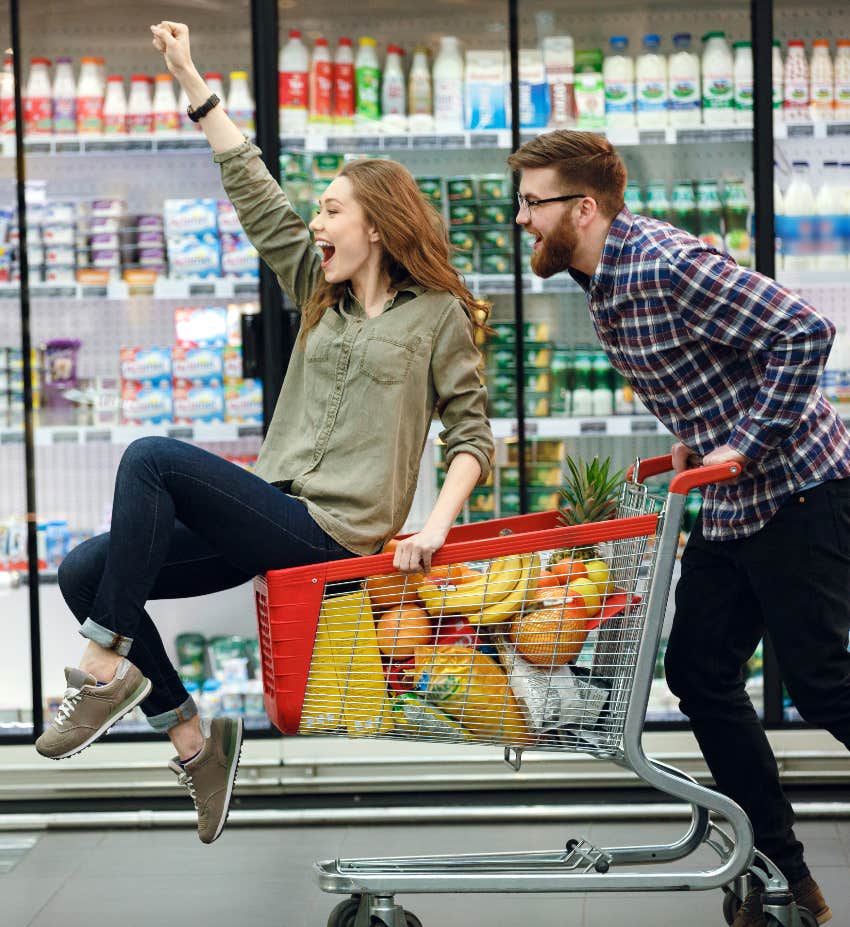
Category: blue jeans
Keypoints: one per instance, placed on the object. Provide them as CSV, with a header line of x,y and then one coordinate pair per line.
x,y
185,522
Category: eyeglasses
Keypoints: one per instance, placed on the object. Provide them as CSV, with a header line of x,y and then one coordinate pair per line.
x,y
532,204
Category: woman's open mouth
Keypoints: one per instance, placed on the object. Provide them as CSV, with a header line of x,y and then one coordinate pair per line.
x,y
327,250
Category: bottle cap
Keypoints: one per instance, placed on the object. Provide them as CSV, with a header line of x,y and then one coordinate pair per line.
x,y
321,43
742,44
394,50
213,75
163,78
114,79
651,40
799,164
842,43
368,41
796,43
63,60
345,41
88,60
682,38
44,61
294,33
713,35
141,79
239,75
820,43
619,41
830,164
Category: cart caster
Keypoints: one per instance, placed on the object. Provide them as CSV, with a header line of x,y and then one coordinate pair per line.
x,y
345,912
806,919
410,919
731,905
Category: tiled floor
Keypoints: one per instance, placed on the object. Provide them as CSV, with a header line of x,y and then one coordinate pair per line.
x,y
262,877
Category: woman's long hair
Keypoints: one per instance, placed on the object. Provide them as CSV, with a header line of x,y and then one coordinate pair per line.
x,y
412,234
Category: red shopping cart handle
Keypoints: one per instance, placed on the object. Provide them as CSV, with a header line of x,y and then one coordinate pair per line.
x,y
684,482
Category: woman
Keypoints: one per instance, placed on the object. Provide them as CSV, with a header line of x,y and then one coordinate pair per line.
x,y
386,337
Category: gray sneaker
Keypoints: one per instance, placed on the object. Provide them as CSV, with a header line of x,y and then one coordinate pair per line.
x,y
210,776
89,710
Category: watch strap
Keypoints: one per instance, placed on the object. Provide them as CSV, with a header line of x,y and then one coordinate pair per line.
x,y
197,114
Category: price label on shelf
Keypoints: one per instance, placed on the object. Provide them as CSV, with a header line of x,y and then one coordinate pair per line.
x,y
396,142
93,292
838,128
202,289
427,141
184,433
532,429
249,431
12,437
138,144
246,288
642,426
593,426
65,437
38,147
68,147
295,142
98,436
801,131
484,140
9,292
652,137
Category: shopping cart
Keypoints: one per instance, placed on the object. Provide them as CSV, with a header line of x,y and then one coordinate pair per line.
x,y
486,650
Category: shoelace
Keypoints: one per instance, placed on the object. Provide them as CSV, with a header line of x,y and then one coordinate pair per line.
x,y
185,778
72,696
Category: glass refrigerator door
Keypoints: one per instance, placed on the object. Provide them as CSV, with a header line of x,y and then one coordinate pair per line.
x,y
672,90
390,84
811,86
143,287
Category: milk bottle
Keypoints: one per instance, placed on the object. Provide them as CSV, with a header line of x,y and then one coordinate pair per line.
x,y
321,84
293,75
343,85
420,99
165,118
821,82
90,94
777,75
186,124
7,97
240,103
651,85
841,74
38,101
619,75
367,82
831,251
64,98
215,82
743,83
798,226
796,107
718,79
115,106
684,83
393,92
139,112
449,86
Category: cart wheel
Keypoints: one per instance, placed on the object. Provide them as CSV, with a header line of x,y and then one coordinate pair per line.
x,y
807,919
731,904
344,913
410,919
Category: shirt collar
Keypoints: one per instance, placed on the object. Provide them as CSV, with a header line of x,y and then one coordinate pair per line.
x,y
351,304
603,278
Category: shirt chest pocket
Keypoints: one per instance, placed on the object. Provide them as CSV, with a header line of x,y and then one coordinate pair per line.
x,y
321,346
387,360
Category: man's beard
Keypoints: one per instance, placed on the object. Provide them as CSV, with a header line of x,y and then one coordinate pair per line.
x,y
555,252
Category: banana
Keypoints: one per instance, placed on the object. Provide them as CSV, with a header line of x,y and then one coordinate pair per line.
x,y
469,599
514,601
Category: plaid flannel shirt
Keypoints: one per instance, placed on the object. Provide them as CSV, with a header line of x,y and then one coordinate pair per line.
x,y
721,355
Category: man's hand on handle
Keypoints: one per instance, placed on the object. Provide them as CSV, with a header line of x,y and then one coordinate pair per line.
x,y
684,458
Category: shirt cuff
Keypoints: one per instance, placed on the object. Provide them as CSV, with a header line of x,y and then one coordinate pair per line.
x,y
478,454
748,439
247,147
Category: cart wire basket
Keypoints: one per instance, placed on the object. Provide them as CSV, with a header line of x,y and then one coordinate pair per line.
x,y
525,634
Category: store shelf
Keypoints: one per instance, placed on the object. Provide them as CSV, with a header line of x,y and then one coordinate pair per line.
x,y
613,426
107,144
124,434
162,288
812,279
810,130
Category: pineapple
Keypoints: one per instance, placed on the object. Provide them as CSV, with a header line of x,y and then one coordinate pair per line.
x,y
591,494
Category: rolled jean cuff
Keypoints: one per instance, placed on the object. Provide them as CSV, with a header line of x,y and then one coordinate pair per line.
x,y
168,719
106,637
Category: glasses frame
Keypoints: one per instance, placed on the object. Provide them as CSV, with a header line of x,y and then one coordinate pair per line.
x,y
530,205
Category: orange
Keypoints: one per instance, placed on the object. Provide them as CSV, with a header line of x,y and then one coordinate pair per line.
x,y
547,580
552,636
393,590
567,570
402,629
454,573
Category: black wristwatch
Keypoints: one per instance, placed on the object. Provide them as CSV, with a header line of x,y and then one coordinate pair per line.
x,y
197,114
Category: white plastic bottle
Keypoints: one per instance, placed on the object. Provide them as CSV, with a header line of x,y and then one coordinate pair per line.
x,y
90,98
293,85
618,72
831,253
821,85
186,125
215,82
685,95
778,78
139,111
321,84
38,99
743,82
64,98
367,83
343,86
393,92
240,103
165,117
841,73
420,97
449,86
651,84
796,104
798,228
7,97
115,106
718,80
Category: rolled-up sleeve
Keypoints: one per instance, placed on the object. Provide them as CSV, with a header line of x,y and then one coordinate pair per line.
x,y
462,397
271,224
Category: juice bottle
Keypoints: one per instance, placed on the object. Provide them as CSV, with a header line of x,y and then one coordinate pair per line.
x,y
684,207
602,402
657,203
798,226
393,91
293,75
343,84
64,98
321,83
718,79
743,82
582,392
449,86
736,219
796,108
38,100
186,124
7,97
829,235
420,97
651,84
115,106
619,75
90,98
367,82
821,89
684,83
165,118
139,112
215,82
708,211
240,104
841,74
633,198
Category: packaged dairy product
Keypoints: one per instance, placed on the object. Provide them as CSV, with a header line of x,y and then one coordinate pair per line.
x,y
778,78
146,403
633,198
420,98
841,74
619,75
533,90
367,82
743,82
821,90
651,84
709,214
204,364
321,84
243,401
190,216
64,98
215,82
718,79
7,97
90,97
736,221
239,257
240,103
798,224
38,99
343,84
589,89
683,74
139,108
293,84
796,80
559,64
394,92
657,203
165,118
486,105
449,86
195,255
831,220
145,365
115,106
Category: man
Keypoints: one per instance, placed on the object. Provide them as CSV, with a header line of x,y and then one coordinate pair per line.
x,y
730,362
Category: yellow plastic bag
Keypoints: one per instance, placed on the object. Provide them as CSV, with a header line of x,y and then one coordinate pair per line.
x,y
322,707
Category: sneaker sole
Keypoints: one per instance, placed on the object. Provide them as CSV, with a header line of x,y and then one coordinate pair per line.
x,y
140,695
231,779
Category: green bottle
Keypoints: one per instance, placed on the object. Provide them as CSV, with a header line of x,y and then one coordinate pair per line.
x,y
710,215
582,392
684,207
367,82
736,218
657,203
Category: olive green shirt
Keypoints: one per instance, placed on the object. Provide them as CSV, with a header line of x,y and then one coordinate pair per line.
x,y
352,418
